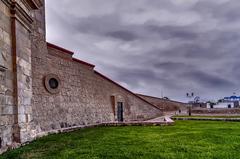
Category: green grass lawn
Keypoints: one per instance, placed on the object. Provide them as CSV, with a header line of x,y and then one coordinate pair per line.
x,y
185,140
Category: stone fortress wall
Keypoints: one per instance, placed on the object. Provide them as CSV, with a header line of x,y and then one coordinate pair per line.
x,y
6,78
16,18
85,97
43,88
165,105
216,111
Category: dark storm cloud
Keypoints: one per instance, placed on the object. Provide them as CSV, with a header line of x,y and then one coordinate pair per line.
x,y
135,77
208,80
173,32
155,47
226,10
122,35
170,65
96,24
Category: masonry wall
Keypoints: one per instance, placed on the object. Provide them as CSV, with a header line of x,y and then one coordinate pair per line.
x,y
6,79
164,104
39,69
220,111
84,98
16,20
23,83
27,109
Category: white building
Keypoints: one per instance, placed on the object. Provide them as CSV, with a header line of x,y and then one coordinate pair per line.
x,y
221,105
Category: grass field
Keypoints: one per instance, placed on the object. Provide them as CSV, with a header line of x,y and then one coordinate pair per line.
x,y
185,140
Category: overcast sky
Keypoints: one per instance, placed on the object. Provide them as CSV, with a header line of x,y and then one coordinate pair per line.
x,y
154,47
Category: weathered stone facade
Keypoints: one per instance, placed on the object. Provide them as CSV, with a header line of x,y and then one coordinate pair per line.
x,y
85,96
28,64
6,79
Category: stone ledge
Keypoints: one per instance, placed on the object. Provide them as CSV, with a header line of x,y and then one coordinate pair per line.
x,y
34,4
70,129
139,124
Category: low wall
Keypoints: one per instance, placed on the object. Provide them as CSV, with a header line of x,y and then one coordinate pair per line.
x,y
164,104
208,119
216,111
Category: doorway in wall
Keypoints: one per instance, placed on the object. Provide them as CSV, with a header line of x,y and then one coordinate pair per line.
x,y
0,142
229,106
120,111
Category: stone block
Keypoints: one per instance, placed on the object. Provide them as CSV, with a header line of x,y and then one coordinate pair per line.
x,y
9,84
2,99
6,120
3,89
21,118
7,110
27,100
9,100
21,110
6,38
1,34
4,9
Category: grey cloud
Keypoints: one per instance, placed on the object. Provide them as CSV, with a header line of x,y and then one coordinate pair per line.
x,y
122,35
228,10
160,53
97,24
146,78
173,67
173,32
169,65
209,80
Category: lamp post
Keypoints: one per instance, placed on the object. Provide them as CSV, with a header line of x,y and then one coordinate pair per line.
x,y
190,96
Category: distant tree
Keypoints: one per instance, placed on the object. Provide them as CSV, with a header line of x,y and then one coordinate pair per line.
x,y
197,99
211,102
166,98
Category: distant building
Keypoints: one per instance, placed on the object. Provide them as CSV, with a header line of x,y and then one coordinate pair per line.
x,y
199,105
232,98
226,102
221,105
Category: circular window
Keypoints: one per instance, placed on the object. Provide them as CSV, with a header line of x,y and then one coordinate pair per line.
x,y
52,83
